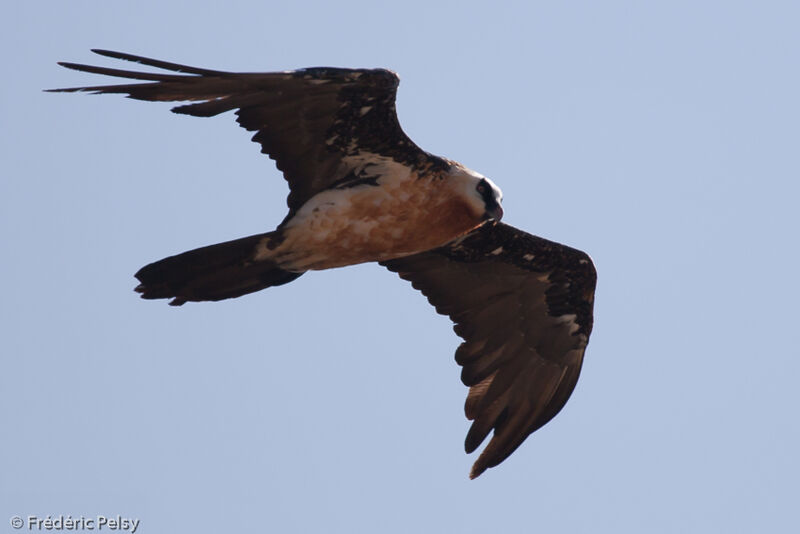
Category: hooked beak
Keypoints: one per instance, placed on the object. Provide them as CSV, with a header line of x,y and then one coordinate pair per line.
x,y
494,212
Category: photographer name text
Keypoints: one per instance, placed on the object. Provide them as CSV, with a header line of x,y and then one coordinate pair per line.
x,y
67,522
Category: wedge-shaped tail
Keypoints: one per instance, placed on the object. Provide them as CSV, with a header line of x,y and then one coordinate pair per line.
x,y
216,272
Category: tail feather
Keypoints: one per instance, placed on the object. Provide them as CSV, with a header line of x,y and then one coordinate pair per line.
x,y
216,272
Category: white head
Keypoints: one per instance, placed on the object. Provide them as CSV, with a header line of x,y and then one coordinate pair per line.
x,y
480,192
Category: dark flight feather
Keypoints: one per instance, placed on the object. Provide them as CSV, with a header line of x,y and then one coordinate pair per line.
x,y
307,120
523,306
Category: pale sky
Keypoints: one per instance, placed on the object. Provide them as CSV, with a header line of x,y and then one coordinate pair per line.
x,y
661,138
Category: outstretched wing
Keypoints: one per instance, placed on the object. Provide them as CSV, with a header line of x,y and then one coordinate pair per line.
x,y
322,125
523,306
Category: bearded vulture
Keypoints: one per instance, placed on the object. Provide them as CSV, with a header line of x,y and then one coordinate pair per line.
x,y
362,191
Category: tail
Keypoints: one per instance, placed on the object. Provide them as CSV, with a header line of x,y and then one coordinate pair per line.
x,y
216,272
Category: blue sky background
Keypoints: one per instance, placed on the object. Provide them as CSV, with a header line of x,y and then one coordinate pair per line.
x,y
660,137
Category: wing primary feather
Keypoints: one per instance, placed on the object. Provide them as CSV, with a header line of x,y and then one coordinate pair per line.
x,y
482,425
475,395
157,63
120,73
310,121
523,306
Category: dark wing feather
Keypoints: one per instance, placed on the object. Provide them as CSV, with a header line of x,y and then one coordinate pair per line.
x,y
307,120
523,306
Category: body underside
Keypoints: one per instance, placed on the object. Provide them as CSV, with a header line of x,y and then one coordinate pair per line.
x,y
389,211
399,214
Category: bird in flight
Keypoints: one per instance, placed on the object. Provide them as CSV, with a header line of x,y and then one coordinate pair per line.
x,y
362,191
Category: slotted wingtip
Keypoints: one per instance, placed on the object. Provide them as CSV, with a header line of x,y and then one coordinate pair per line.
x,y
113,54
69,65
481,464
117,55
142,290
72,66
476,470
145,294
105,52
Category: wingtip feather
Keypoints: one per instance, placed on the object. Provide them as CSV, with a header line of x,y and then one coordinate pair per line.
x,y
476,470
105,52
157,63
